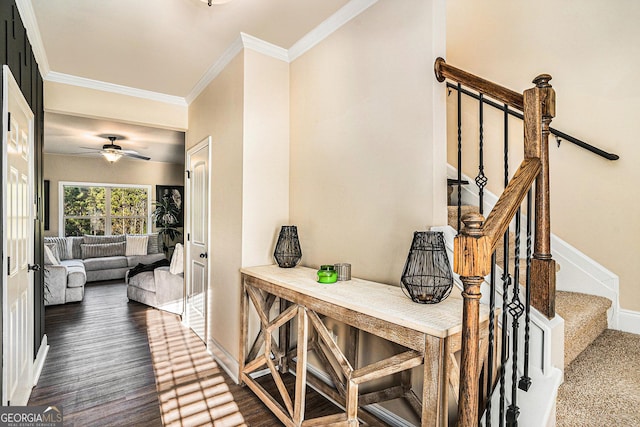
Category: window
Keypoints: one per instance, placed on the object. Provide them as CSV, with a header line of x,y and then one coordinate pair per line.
x,y
103,209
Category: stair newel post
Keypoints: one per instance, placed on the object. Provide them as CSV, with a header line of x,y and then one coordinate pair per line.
x,y
472,261
539,110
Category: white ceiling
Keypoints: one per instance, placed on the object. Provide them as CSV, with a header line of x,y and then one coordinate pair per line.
x,y
162,46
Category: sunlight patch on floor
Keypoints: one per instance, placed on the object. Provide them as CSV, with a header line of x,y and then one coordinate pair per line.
x,y
191,389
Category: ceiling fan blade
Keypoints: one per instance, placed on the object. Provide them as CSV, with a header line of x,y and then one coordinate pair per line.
x,y
135,155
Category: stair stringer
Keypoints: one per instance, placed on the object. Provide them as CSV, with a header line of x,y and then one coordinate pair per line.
x,y
578,272
546,355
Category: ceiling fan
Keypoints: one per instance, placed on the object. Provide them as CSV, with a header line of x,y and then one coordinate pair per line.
x,y
112,152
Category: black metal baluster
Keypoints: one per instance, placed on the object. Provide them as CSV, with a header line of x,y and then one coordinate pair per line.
x,y
506,279
516,308
459,156
481,179
525,380
491,338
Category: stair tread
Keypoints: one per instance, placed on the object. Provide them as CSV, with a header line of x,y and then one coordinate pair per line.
x,y
585,318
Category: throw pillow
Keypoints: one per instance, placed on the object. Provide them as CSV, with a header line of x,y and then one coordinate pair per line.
x,y
63,246
153,247
76,250
103,250
95,240
177,260
136,245
49,256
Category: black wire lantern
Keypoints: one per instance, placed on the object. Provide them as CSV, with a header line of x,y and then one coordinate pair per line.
x,y
427,276
288,253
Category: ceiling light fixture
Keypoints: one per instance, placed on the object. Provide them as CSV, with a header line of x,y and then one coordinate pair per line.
x,y
212,2
112,156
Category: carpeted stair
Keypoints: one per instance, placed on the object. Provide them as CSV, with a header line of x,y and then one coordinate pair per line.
x,y
585,318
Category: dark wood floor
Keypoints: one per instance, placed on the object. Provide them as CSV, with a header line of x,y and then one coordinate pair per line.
x,y
102,370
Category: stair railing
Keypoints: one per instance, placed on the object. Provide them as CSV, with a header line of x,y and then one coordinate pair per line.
x,y
474,247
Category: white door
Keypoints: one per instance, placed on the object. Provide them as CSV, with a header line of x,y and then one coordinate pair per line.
x,y
18,226
197,243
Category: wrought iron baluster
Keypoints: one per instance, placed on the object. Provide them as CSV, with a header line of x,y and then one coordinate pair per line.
x,y
516,309
506,278
459,156
525,380
481,179
491,338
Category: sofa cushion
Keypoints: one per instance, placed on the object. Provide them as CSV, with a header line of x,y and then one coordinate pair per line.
x,y
105,263
76,249
76,275
132,261
136,245
144,280
103,250
51,254
95,240
63,246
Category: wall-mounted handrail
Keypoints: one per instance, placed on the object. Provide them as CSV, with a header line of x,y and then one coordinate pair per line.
x,y
556,132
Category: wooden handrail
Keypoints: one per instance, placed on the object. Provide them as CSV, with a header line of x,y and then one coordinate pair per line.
x,y
507,96
510,200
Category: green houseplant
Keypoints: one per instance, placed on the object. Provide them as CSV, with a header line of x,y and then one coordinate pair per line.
x,y
165,216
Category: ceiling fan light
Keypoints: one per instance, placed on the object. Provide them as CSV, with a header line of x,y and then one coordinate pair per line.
x,y
111,156
212,2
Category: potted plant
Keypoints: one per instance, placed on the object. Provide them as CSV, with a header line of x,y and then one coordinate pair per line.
x,y
165,215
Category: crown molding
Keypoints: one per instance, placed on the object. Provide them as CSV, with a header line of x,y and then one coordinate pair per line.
x,y
56,77
308,41
215,69
329,26
244,41
266,48
28,15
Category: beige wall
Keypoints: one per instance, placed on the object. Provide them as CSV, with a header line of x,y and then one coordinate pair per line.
x,y
591,49
265,204
246,112
218,112
364,175
84,102
83,169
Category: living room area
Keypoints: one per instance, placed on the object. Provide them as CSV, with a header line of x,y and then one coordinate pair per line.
x,y
103,216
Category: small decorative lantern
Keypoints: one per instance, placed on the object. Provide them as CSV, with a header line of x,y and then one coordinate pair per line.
x,y
427,276
288,253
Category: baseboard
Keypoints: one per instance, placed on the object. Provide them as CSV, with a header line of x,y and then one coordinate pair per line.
x,y
629,321
226,361
38,364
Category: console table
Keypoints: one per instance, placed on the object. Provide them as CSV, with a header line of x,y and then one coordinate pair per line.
x,y
430,334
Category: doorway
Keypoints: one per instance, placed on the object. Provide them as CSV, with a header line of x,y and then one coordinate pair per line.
x,y
197,243
18,247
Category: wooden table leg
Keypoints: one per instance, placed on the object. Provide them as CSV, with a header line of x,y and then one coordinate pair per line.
x,y
352,403
301,366
433,414
284,340
244,324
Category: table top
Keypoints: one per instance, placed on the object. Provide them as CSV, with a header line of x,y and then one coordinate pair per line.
x,y
379,300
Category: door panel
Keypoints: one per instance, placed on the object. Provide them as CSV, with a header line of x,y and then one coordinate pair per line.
x,y
18,223
198,243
